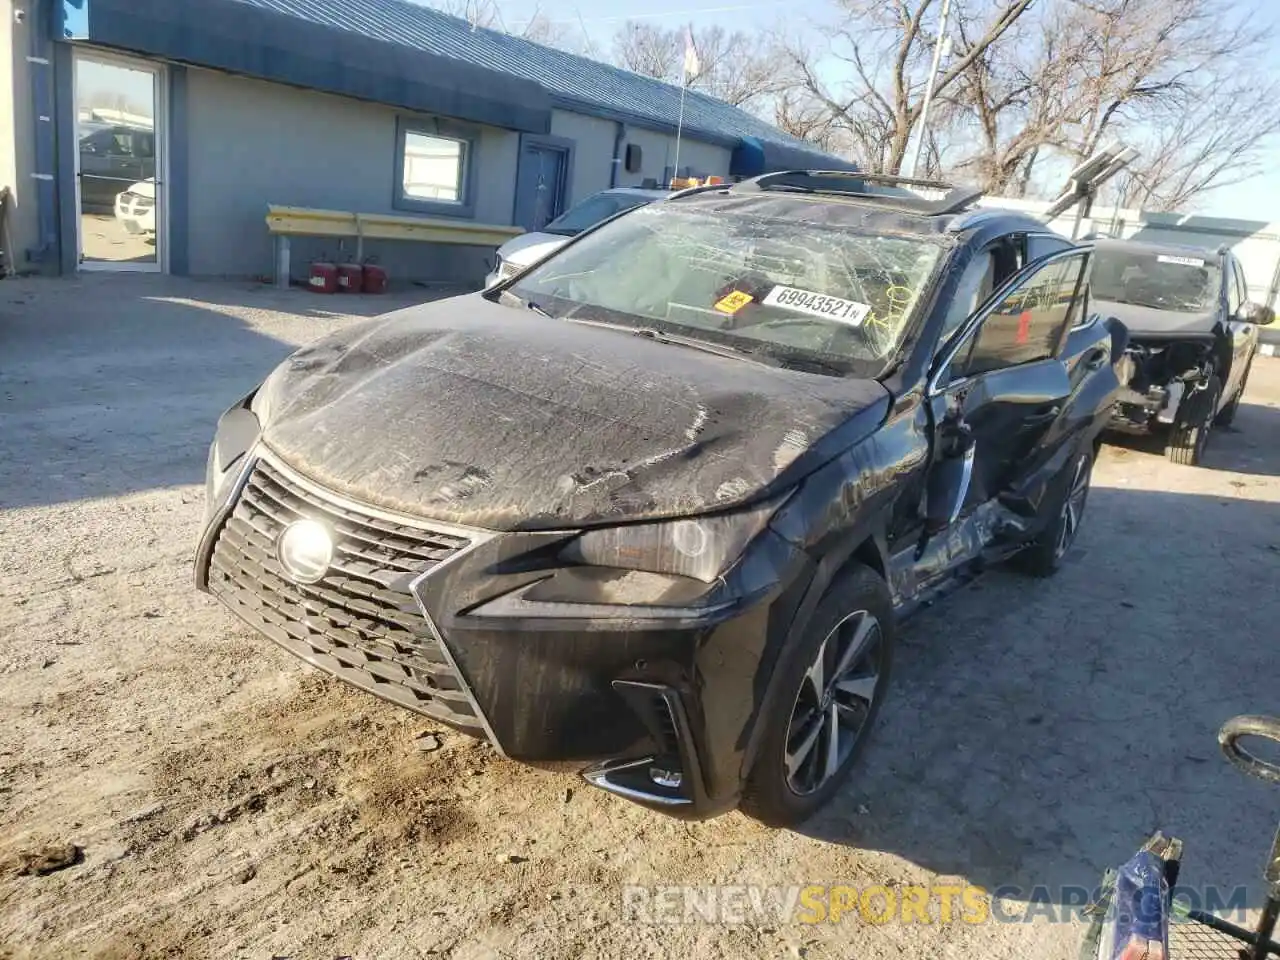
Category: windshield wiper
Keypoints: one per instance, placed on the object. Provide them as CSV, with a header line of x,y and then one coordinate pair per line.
x,y
814,365
661,336
521,302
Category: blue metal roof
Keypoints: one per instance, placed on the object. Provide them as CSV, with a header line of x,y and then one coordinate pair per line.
x,y
574,82
257,41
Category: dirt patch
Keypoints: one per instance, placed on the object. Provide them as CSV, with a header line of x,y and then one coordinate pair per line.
x,y
46,859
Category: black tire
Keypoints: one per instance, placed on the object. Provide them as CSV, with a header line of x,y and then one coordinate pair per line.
x,y
774,793
1228,414
1043,557
1190,433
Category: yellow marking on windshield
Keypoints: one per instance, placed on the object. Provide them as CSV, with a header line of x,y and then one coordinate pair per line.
x,y
731,303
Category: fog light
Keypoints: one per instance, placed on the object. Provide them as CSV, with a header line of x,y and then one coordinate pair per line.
x,y
666,778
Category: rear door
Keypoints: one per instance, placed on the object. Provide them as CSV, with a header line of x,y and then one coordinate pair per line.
x,y
1001,377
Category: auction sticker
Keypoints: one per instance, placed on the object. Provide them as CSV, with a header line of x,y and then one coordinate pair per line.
x,y
818,304
731,303
1181,261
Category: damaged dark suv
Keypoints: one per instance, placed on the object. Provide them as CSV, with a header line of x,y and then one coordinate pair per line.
x,y
1193,334
656,505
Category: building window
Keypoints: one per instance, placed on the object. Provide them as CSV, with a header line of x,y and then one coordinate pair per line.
x,y
433,166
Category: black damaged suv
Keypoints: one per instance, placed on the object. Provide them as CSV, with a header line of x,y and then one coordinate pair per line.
x,y
1193,332
656,505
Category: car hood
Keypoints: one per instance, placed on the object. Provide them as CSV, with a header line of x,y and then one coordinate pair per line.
x,y
474,413
1149,322
528,247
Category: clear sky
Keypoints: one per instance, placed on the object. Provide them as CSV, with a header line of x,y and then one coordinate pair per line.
x,y
1258,198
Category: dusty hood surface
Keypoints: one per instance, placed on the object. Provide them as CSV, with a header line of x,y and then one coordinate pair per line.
x,y
1149,323
475,413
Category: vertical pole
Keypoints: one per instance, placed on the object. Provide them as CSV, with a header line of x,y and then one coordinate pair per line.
x,y
1083,209
928,89
282,261
684,85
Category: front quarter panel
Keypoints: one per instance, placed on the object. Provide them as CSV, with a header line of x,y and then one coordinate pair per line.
x,y
852,508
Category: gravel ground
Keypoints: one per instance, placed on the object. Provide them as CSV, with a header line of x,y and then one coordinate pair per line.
x,y
226,801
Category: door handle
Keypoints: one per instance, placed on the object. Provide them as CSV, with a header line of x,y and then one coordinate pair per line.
x,y
1047,416
1097,359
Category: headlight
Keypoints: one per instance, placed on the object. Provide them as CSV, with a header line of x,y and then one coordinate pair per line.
x,y
699,547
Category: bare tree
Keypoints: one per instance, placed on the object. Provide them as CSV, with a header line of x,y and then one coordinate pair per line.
x,y
736,67
488,14
884,48
806,118
1187,81
1014,101
1175,78
649,50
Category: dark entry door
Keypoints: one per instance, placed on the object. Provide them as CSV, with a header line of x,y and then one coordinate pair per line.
x,y
540,185
1005,381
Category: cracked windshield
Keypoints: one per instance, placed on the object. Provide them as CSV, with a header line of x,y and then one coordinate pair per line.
x,y
780,288
1162,281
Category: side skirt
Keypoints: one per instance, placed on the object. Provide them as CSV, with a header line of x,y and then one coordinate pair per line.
x,y
919,574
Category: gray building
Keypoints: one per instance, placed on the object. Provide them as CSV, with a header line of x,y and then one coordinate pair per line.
x,y
153,134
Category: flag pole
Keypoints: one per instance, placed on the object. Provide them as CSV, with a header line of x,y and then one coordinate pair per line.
x,y
688,70
675,172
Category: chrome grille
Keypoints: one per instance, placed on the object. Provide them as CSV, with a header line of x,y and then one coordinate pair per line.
x,y
359,622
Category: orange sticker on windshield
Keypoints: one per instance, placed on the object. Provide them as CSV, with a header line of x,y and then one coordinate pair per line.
x,y
732,302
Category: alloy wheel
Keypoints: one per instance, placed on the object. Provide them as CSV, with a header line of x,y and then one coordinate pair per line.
x,y
834,702
1073,505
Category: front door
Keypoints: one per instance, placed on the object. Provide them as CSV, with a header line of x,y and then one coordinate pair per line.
x,y
1004,384
540,185
119,163
1244,335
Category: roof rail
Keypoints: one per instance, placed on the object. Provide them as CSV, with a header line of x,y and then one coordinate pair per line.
x,y
897,192
701,188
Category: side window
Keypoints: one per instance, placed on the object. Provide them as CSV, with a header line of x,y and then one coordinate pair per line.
x,y
990,268
1234,297
1042,244
122,145
1244,284
1027,325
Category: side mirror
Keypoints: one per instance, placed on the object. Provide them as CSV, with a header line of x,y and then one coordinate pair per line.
x,y
1256,313
1119,338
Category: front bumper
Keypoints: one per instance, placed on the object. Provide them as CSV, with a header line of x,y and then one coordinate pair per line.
x,y
655,705
136,212
1139,412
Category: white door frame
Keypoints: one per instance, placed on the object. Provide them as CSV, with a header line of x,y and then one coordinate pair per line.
x,y
160,104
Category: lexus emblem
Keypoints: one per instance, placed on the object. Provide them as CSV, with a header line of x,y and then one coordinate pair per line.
x,y
305,550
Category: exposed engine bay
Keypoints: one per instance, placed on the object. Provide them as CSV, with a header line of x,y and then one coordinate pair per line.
x,y
1160,376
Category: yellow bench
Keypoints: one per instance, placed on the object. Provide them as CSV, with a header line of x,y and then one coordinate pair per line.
x,y
286,222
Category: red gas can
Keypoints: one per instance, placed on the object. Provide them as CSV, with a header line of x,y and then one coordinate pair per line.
x,y
324,277
375,278
350,277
